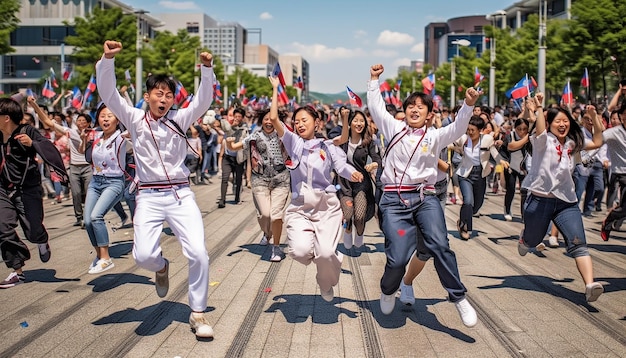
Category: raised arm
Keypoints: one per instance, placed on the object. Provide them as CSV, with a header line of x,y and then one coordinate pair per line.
x,y
597,128
40,113
105,77
345,127
540,122
280,129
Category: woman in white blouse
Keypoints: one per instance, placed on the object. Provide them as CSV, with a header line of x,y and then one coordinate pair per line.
x,y
558,138
106,151
473,170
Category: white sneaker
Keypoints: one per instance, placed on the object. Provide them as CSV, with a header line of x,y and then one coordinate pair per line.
x,y
347,240
508,217
406,294
101,266
387,303
540,247
553,242
522,249
264,240
277,254
593,291
358,241
200,325
328,295
467,312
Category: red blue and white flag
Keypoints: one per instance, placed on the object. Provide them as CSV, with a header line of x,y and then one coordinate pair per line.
x,y
429,84
522,88
277,72
53,79
242,90
478,77
47,90
568,97
299,83
77,98
67,72
584,82
181,93
354,98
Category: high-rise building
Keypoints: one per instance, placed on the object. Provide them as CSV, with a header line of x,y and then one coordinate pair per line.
x,y
39,39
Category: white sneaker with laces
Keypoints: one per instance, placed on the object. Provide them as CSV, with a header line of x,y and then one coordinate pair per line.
x,y
200,325
467,312
593,291
101,266
508,217
277,254
264,240
540,247
94,262
553,242
406,294
387,303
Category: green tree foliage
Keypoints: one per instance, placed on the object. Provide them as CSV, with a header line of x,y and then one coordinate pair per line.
x,y
174,54
91,32
10,21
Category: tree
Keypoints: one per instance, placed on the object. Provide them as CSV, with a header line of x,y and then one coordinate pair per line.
x,y
10,21
176,55
91,32
595,40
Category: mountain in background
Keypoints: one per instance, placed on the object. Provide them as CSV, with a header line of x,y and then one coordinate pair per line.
x,y
333,97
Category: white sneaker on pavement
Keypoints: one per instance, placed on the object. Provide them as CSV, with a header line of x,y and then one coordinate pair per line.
x,y
101,266
264,240
467,312
593,291
387,303
508,217
327,295
347,240
277,254
406,294
553,242
358,241
200,325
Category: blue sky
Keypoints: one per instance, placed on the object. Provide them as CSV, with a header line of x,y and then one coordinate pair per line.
x,y
340,39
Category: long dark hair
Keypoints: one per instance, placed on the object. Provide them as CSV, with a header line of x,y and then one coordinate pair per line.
x,y
366,137
575,132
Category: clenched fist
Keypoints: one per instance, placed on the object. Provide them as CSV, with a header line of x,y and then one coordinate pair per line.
x,y
112,48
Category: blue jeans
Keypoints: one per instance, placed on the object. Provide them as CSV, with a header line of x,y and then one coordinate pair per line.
x,y
588,180
411,224
102,194
473,190
539,211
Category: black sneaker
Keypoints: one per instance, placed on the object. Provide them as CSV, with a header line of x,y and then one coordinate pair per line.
x,y
12,280
44,252
78,222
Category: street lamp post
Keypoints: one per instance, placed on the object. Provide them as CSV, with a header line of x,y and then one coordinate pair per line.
x,y
541,60
457,43
492,58
139,61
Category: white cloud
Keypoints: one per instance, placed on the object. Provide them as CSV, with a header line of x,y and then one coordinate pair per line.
x,y
391,38
418,48
184,5
359,34
266,16
405,61
323,53
384,53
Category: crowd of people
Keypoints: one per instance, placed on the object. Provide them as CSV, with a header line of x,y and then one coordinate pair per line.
x,y
320,172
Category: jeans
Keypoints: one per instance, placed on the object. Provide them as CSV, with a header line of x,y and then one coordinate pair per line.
x,y
539,211
510,178
473,190
102,194
411,224
588,180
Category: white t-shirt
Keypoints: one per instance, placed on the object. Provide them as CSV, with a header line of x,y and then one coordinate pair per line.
x,y
550,173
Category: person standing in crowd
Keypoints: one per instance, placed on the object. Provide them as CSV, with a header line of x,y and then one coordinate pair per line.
x,y
550,184
106,151
270,178
194,154
588,173
313,217
514,151
233,162
80,170
476,149
615,139
20,189
412,217
160,149
357,198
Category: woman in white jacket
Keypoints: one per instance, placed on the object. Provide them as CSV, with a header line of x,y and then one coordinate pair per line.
x,y
476,149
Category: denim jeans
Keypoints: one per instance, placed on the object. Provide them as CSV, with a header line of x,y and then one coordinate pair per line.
x,y
510,178
102,194
473,190
539,211
80,176
588,181
411,224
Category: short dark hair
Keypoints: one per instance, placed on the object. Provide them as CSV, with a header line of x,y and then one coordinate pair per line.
x,y
240,111
160,80
426,99
477,122
12,109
